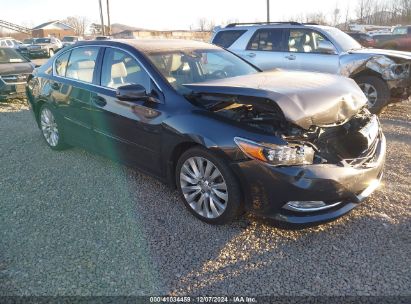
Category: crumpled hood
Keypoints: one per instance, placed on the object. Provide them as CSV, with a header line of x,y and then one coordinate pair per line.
x,y
16,68
305,98
389,53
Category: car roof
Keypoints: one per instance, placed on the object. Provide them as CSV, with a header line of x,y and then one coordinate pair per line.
x,y
153,45
250,26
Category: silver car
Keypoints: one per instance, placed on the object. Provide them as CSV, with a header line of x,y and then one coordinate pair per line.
x,y
44,47
383,75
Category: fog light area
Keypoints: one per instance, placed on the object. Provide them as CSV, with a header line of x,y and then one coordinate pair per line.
x,y
308,206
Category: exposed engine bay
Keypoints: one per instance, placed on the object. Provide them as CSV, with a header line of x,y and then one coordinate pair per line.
x,y
342,142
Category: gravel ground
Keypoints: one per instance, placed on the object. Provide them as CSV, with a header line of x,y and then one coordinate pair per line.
x,y
73,223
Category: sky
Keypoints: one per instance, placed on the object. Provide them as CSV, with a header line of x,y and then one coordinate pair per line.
x,y
165,14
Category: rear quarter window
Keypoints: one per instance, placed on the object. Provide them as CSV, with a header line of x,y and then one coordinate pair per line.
x,y
271,39
226,39
61,64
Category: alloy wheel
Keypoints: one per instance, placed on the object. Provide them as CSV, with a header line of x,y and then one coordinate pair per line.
x,y
203,187
370,92
49,127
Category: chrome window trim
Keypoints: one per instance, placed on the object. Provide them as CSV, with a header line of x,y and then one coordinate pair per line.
x,y
102,46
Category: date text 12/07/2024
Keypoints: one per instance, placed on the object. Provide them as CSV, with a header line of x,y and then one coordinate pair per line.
x,y
201,299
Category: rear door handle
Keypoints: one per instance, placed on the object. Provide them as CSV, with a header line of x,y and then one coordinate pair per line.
x,y
100,101
251,55
291,57
55,86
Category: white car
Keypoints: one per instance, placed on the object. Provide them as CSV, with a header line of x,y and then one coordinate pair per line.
x,y
10,42
383,75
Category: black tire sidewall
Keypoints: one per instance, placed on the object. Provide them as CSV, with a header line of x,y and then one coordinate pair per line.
x,y
234,204
383,91
61,144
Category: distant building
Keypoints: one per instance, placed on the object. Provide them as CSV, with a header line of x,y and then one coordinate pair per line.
x,y
55,28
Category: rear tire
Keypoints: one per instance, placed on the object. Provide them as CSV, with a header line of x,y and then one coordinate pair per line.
x,y
51,128
210,191
376,90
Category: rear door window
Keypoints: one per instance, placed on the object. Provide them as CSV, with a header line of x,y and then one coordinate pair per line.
x,y
226,39
119,69
305,41
82,63
271,40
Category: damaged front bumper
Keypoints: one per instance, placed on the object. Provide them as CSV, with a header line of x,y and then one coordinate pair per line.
x,y
396,71
268,189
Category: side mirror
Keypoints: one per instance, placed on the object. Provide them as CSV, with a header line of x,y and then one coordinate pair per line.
x,y
326,47
131,92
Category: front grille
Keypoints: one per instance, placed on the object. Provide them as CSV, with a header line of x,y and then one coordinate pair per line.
x,y
368,157
14,78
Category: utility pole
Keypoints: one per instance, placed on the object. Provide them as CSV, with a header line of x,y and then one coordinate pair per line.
x,y
108,18
268,11
102,18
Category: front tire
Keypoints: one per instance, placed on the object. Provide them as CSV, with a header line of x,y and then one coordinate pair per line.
x,y
207,186
50,128
376,90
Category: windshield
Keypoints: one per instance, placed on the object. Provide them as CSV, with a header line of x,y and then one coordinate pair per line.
x,y
8,55
28,41
346,42
196,65
43,40
69,39
400,31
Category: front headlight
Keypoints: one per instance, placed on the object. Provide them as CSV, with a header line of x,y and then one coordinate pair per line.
x,y
277,155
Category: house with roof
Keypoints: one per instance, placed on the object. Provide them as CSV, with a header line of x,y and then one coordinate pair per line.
x,y
54,28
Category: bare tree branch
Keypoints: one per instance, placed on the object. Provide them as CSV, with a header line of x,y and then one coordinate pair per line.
x,y
79,23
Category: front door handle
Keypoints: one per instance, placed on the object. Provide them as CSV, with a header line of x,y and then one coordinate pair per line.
x,y
100,101
251,55
291,57
55,86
